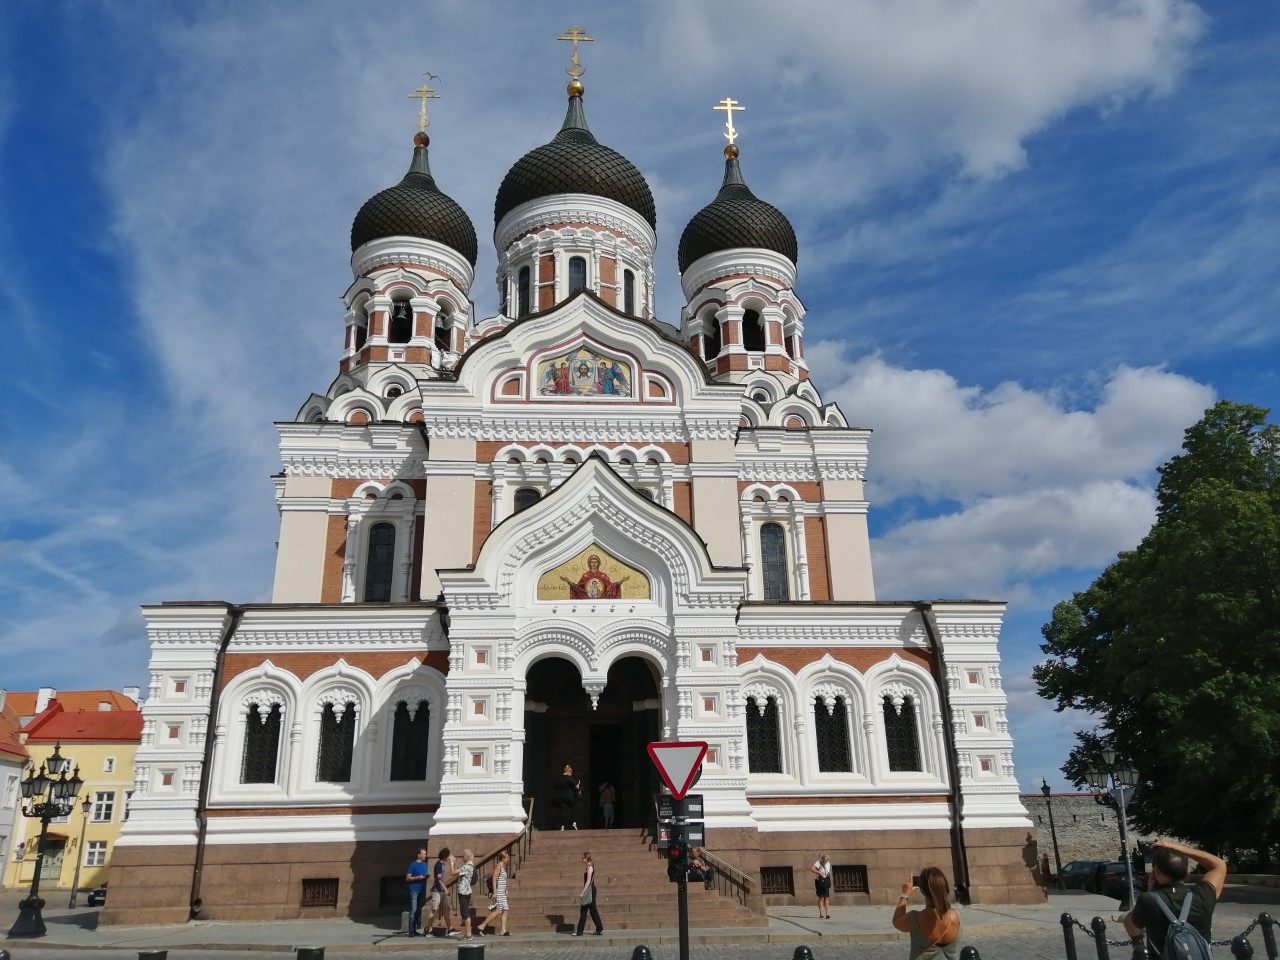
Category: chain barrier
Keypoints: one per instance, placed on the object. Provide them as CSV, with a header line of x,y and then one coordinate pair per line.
x,y
1240,946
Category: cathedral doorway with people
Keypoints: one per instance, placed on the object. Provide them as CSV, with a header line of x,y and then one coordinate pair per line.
x,y
604,746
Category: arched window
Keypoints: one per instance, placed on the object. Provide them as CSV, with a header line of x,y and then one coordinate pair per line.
x,y
752,331
645,492
401,322
362,334
711,340
380,564
577,273
526,497
261,744
831,730
628,292
523,291
764,743
442,334
337,742
409,741
773,562
902,738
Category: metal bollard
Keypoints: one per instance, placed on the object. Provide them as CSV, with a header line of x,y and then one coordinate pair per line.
x,y
153,954
1241,948
969,953
1068,935
471,951
1140,951
310,953
1268,934
1099,928
641,953
802,953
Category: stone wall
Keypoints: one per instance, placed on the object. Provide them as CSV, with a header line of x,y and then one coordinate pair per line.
x,y
1085,829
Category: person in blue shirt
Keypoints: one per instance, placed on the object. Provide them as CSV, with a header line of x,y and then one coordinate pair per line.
x,y
416,876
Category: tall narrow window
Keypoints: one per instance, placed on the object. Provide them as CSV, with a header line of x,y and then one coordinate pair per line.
x,y
261,744
764,744
381,562
752,331
711,340
628,292
526,497
902,738
401,322
362,334
337,741
773,561
577,274
831,730
523,291
442,335
409,741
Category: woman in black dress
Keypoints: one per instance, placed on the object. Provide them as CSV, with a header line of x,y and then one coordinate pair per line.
x,y
565,797
587,898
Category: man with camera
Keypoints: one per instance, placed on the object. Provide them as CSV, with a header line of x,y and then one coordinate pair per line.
x,y
1170,867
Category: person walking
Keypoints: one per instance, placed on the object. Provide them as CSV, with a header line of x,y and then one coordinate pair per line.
x,y
935,930
567,790
416,878
587,899
499,907
441,872
466,875
822,885
608,797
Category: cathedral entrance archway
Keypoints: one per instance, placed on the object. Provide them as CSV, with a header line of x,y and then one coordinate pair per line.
x,y
602,745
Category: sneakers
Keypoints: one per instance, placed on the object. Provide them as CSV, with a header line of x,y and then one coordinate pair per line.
x,y
598,933
453,933
577,933
575,824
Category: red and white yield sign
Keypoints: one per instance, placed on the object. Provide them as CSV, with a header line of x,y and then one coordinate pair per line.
x,y
678,762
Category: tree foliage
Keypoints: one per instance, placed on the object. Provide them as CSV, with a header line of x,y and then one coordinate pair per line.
x,y
1176,645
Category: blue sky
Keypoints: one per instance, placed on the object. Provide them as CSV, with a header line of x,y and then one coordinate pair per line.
x,y
1037,239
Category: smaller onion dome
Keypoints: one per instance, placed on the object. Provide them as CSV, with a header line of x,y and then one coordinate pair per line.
x,y
415,207
574,162
736,218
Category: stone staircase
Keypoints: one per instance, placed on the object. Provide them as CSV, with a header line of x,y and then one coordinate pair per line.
x,y
633,892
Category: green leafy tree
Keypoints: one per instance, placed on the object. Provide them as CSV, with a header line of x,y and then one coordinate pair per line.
x,y
1176,645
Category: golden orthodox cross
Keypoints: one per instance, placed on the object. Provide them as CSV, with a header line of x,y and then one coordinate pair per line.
x,y
729,107
575,34
422,95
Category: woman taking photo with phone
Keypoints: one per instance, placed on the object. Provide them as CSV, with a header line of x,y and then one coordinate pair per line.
x,y
935,930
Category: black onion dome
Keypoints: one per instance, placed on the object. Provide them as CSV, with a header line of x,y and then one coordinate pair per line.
x,y
574,162
736,218
415,207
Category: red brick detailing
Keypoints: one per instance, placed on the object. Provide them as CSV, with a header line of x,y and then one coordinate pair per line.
x,y
657,391
733,361
377,323
860,658
334,555
511,388
731,332
358,416
439,659
486,450
546,288
323,811
774,362
303,665
609,281
815,545
417,355
682,492
482,518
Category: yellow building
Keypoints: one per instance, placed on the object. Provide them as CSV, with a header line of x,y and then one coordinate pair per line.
x,y
99,732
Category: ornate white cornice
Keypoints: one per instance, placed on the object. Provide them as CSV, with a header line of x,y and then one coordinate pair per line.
x,y
343,467
825,634
434,256
751,261
574,208
613,429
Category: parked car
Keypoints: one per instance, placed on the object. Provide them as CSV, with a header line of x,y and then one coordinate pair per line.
x,y
1113,881
98,896
1076,873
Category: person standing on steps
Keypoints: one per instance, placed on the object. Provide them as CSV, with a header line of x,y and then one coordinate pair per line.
x,y
565,799
500,907
587,898
822,885
608,797
416,878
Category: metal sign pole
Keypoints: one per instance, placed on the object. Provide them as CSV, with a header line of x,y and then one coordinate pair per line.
x,y
682,883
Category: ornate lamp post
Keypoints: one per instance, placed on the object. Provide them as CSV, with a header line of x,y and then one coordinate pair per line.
x,y
85,807
1117,781
44,796
1053,832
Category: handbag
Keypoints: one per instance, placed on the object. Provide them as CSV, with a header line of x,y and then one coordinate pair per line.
x,y
588,896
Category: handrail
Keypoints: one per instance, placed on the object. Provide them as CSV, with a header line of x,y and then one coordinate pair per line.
x,y
517,847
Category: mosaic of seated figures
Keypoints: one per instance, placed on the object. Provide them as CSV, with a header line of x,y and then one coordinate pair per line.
x,y
593,575
582,372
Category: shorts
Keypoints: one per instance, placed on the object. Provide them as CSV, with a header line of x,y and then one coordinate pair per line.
x,y
464,906
822,886
606,810
436,898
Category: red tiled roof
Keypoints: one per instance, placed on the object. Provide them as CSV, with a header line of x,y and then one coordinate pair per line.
x,y
57,724
24,701
10,725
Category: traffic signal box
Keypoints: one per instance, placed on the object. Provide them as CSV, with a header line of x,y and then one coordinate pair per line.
x,y
677,859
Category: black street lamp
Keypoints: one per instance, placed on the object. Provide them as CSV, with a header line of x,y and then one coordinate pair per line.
x,y
1117,780
44,796
85,807
1053,832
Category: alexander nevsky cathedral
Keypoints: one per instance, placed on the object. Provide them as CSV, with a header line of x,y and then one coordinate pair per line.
x,y
549,537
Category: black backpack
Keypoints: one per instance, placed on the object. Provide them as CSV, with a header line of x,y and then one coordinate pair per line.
x,y
1182,941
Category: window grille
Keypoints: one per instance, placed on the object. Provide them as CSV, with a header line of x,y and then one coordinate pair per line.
x,y
849,879
526,497
628,292
777,880
764,745
409,741
381,562
752,331
320,892
831,731
773,561
577,274
523,290
337,740
104,806
900,734
261,745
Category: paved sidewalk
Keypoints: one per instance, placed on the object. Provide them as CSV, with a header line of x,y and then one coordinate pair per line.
x,y
72,931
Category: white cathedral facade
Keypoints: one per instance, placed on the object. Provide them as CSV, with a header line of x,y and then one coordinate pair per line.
x,y
550,537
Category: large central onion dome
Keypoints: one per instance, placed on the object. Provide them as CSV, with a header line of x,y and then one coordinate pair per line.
x,y
736,218
415,207
574,162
